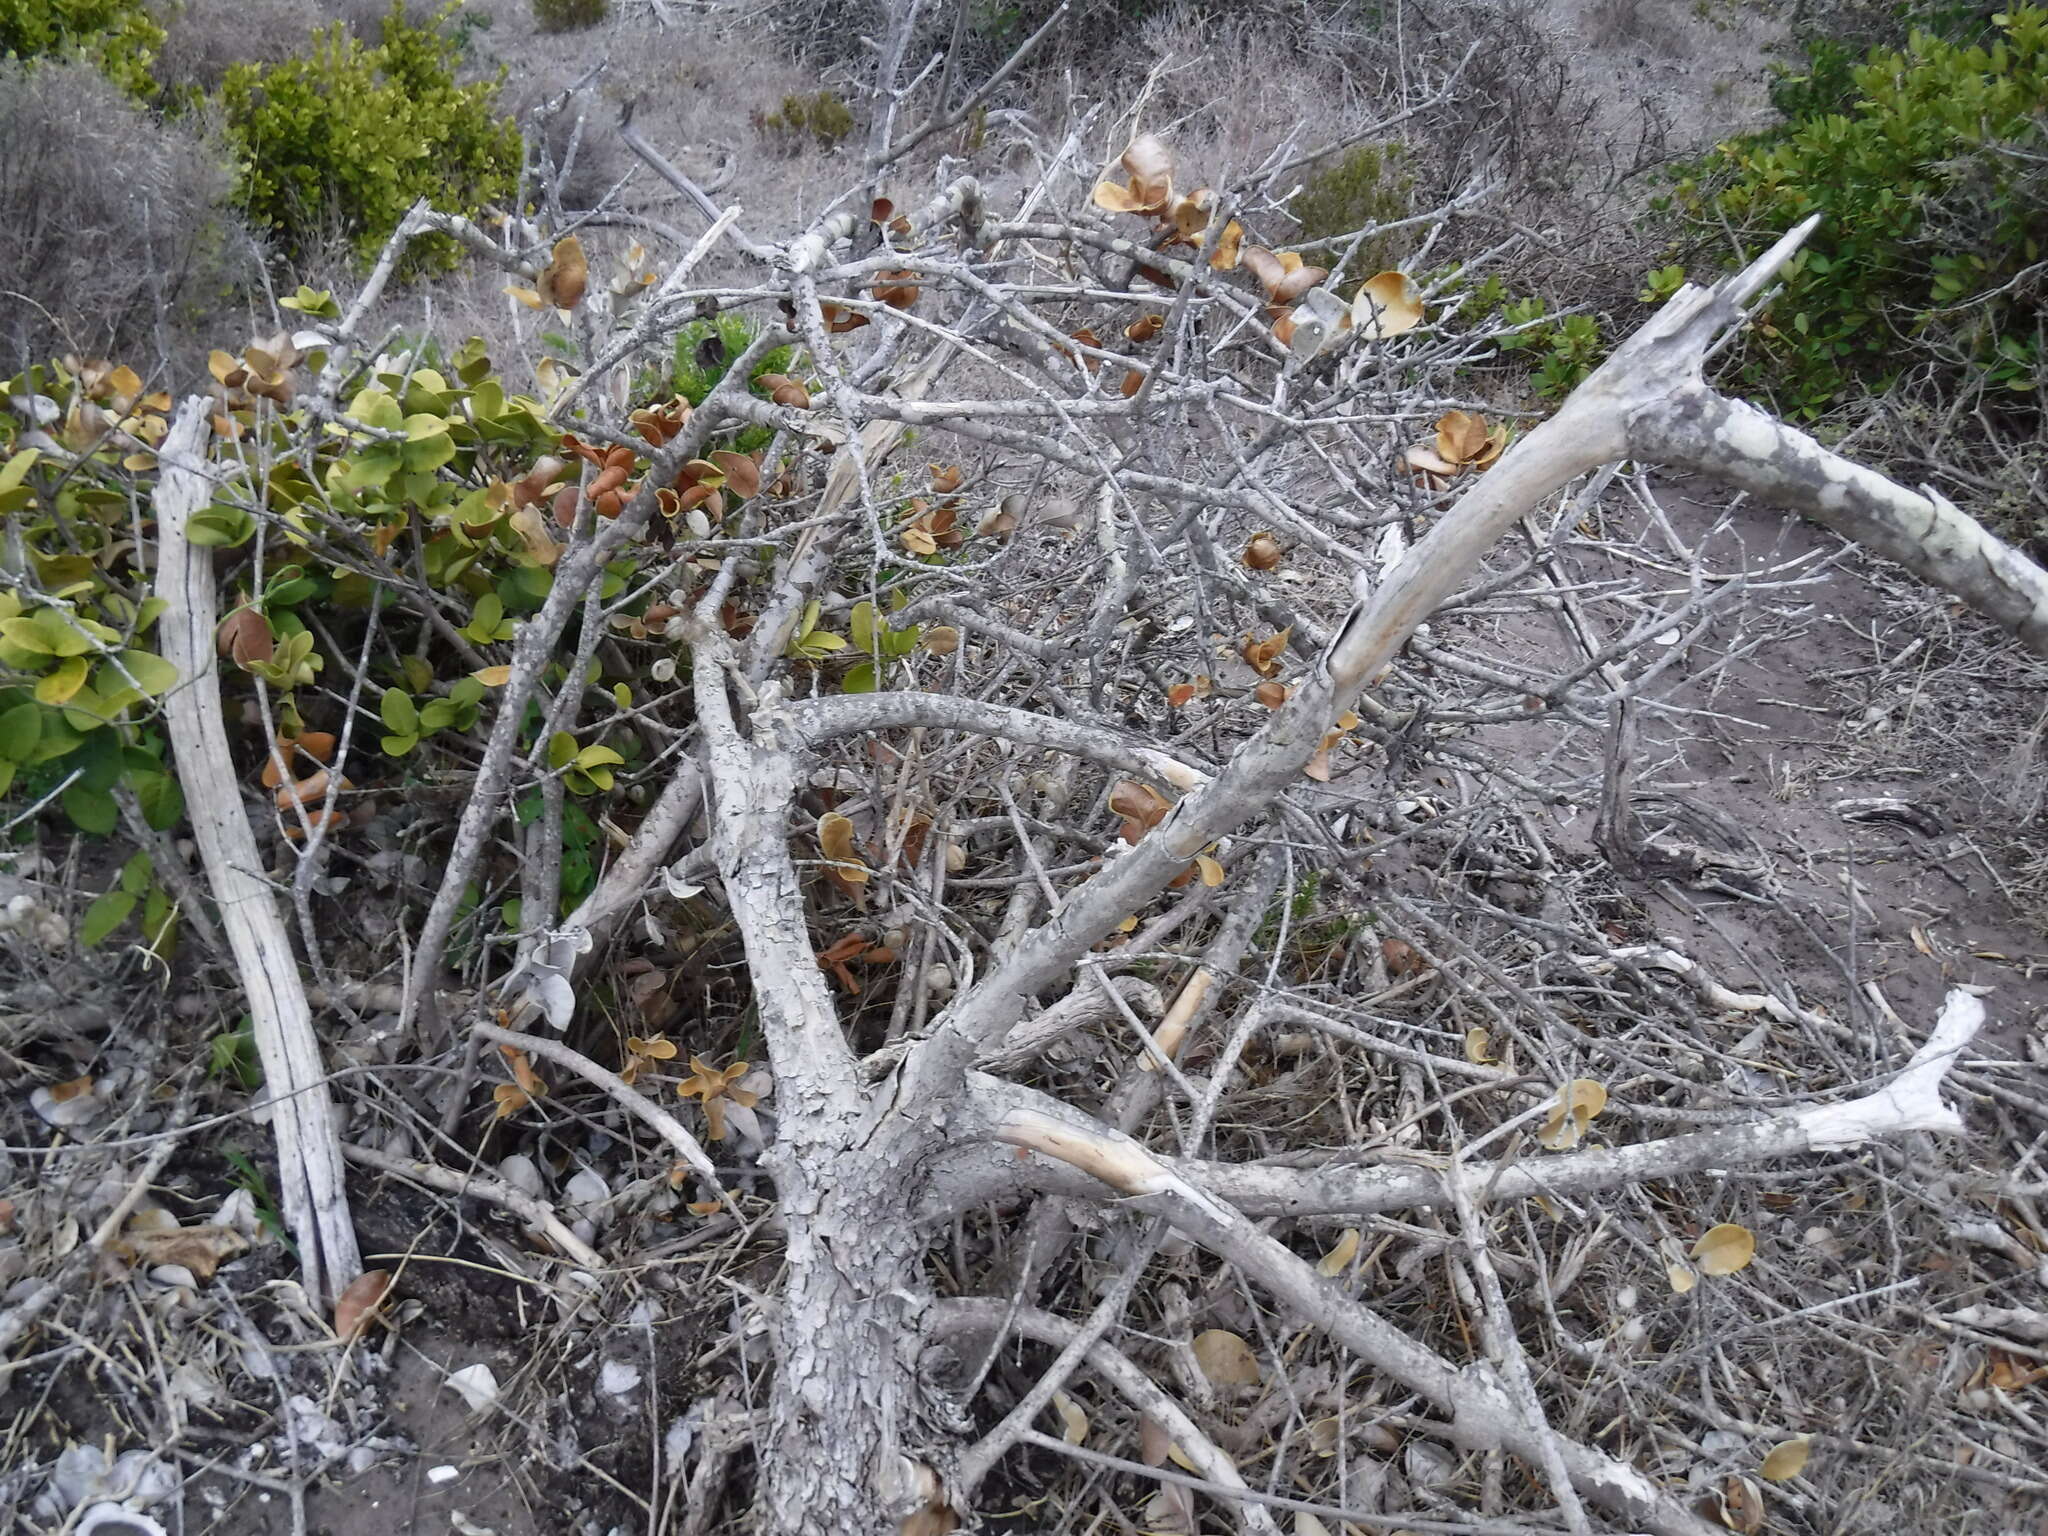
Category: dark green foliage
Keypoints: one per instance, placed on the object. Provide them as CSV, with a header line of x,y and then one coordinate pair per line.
x,y
821,116
117,35
706,348
1933,193
568,15
357,135
1365,187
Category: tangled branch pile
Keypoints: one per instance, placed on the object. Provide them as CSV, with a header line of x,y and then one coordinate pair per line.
x,y
1086,737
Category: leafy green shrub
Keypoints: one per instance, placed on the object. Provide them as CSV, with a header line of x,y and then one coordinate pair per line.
x,y
357,134
568,15
1366,187
1934,196
821,116
78,683
451,476
117,35
706,348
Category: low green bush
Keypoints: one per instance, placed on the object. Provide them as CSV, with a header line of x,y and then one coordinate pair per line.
x,y
117,35
355,135
821,116
1933,190
1366,187
568,15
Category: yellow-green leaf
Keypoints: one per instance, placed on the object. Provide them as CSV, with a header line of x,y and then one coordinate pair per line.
x,y
1724,1249
1787,1459
62,685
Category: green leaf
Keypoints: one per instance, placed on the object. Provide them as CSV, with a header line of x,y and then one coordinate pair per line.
x,y
135,874
310,301
64,684
399,712
26,634
16,468
398,746
427,453
151,673
219,527
162,802
290,585
107,913
862,679
91,810
561,750
819,643
436,715
597,757
21,728
487,621
418,676
861,626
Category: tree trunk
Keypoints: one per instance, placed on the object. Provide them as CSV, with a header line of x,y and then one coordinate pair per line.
x,y
846,1396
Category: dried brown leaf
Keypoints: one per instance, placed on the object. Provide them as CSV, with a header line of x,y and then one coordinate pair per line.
x,y
1263,553
359,1301
1339,1258
835,839
1226,1359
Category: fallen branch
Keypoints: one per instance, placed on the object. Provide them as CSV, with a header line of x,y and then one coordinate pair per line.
x,y
311,1184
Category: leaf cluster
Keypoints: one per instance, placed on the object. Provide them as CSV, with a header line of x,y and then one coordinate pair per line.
x,y
119,36
820,118
1929,176
1366,188
358,134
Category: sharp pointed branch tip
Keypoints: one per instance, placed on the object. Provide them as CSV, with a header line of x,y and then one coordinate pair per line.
x,y
1751,280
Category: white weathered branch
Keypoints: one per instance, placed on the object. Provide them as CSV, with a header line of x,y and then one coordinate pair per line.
x,y
820,719
1482,1416
1911,1101
312,1187
1742,446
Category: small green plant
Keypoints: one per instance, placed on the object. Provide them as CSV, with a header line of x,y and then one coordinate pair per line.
x,y
704,351
820,117
1563,349
1367,187
135,887
231,1057
356,135
117,35
568,15
248,1176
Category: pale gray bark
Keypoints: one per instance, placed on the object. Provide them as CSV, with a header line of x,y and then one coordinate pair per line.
x,y
311,1185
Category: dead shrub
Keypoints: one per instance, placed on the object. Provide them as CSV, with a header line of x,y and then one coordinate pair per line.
x,y
115,229
1614,21
202,38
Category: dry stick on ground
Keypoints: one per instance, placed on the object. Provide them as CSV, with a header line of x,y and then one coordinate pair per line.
x,y
312,1187
27,1308
534,1212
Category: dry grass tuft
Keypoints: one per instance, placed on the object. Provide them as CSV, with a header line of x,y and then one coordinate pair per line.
x,y
115,229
